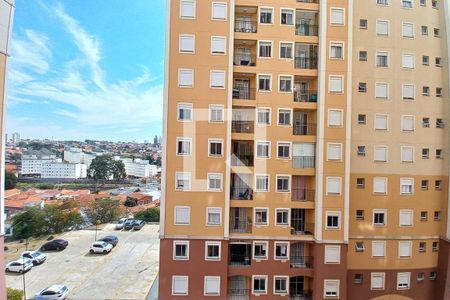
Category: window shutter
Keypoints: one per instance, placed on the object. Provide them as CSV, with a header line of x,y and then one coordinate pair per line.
x,y
408,91
379,185
334,118
187,43
407,154
408,30
380,154
380,122
218,45
408,61
182,215
404,249
186,78
337,16
332,254
382,27
408,123
187,8
212,285
304,149
180,285
381,90
333,186
218,79
405,218
219,11
378,248
336,84
377,281
334,152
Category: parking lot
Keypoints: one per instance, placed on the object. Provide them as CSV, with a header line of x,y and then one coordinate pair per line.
x,y
125,273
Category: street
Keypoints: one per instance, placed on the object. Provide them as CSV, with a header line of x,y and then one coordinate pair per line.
x,y
125,273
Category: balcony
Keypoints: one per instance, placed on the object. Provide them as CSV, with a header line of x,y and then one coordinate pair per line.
x,y
244,93
242,126
299,226
243,193
305,96
240,220
245,53
240,226
306,30
305,62
245,26
240,255
301,261
246,19
306,23
304,129
305,56
242,153
239,287
303,162
244,86
303,195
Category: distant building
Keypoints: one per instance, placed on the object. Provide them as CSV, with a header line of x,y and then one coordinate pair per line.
x,y
6,138
15,138
63,170
139,168
33,160
77,156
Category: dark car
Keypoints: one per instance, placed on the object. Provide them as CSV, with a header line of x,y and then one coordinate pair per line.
x,y
110,239
128,224
55,245
138,224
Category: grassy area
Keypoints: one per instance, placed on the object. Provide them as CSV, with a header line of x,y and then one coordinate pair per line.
x,y
16,248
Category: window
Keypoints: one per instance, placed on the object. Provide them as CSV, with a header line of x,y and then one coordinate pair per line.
x,y
362,24
361,151
424,30
259,284
181,250
434,3
377,281
360,214
358,278
285,84
332,254
264,83
260,250
261,216
439,154
378,248
336,84
382,27
408,61
212,286
180,285
438,185
333,185
361,119
436,32
331,288
362,87
382,59
438,62
265,49
423,216
286,50
280,286
214,182
263,116
266,16
407,3
422,246
380,154
438,92
381,122
184,146
337,51
381,90
435,246
216,113
183,181
337,16
217,79
423,2
333,221
383,2
403,280
426,91
404,249
437,215
432,275
425,153
408,91
359,246
282,216
187,8
406,217
219,11
425,60
407,154
212,251
334,118
218,44
420,276
281,250
380,185
379,217
362,55
334,151
215,148
408,30
426,122
182,215
262,149
284,150
439,123
187,43
184,112
283,183
287,17
185,78
406,186
213,215
360,183
424,184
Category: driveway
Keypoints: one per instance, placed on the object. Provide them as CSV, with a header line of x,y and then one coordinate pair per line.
x,y
125,273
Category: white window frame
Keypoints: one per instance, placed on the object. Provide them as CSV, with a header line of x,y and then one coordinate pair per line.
x,y
215,176
185,243
337,44
408,215
188,178
413,86
339,181
186,278
180,39
404,118
338,148
291,77
213,243
386,155
194,2
375,179
216,38
400,277
278,277
275,251
406,244
378,117
382,53
271,49
402,154
214,210
266,143
326,284
382,275
185,106
380,244
292,50
265,277
180,71
259,15
333,214
205,285
284,176
283,9
217,107
283,143
266,243
270,86
268,183
212,11
335,77
332,254
184,139
379,211
255,210
413,30
382,84
189,215
210,141
264,109
218,72
339,10
379,21
276,217
338,115
404,180
290,117
412,56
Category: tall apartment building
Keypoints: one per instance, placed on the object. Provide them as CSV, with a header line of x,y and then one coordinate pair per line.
x,y
306,150
6,16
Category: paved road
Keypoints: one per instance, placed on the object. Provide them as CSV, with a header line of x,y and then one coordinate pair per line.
x,y
126,273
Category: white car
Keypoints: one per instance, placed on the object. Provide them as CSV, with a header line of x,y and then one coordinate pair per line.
x,y
54,292
20,266
120,223
36,257
100,247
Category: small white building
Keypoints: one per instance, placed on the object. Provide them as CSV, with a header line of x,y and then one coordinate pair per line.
x,y
63,170
32,161
77,156
139,168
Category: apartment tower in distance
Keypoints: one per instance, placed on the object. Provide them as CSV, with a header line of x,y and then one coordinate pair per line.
x,y
6,16
306,151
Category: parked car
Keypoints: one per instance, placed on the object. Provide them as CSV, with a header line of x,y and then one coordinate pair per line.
x,y
128,224
54,292
55,245
36,257
20,266
138,224
100,247
110,239
121,223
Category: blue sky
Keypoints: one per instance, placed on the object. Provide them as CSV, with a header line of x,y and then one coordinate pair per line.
x,y
83,69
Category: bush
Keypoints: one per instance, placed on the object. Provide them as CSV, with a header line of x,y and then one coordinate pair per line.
x,y
13,294
10,180
148,215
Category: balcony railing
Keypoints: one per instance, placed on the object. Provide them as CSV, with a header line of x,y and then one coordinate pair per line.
x,y
245,26
244,94
303,162
306,129
308,1
306,62
306,30
238,294
240,260
305,96
300,295
244,60
301,228
242,160
303,194
242,126
240,226
300,261
244,193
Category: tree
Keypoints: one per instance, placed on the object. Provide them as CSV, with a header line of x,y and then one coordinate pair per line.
x,y
14,294
118,170
103,210
130,202
10,180
101,168
148,215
